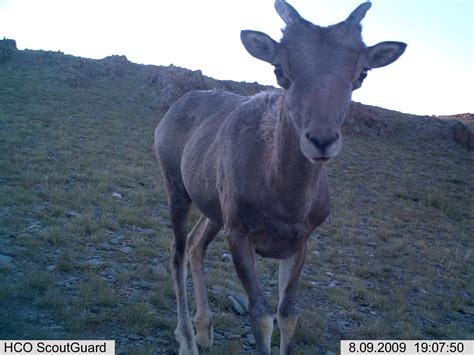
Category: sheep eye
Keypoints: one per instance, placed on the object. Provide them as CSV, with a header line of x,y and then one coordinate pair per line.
x,y
282,80
278,72
363,74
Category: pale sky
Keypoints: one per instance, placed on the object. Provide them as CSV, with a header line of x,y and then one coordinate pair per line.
x,y
434,76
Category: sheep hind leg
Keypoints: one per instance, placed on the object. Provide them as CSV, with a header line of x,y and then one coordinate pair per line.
x,y
179,212
198,240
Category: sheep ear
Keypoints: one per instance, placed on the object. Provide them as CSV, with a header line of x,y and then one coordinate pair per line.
x,y
259,45
385,53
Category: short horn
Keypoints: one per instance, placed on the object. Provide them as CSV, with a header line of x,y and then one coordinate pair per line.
x,y
287,12
359,13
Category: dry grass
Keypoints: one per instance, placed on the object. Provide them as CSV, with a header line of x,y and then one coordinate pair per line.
x,y
395,260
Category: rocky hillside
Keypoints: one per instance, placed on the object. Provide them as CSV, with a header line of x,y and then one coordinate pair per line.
x,y
166,84
85,233
376,120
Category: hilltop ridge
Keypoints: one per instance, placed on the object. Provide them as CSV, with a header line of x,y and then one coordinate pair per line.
x,y
165,84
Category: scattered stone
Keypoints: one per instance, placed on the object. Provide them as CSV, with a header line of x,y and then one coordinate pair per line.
x,y
467,310
159,270
70,214
134,336
94,262
126,249
51,268
68,281
273,282
226,258
218,336
463,294
332,284
243,301
12,250
236,306
142,230
117,195
5,260
372,244
114,238
150,339
232,336
249,338
329,353
463,135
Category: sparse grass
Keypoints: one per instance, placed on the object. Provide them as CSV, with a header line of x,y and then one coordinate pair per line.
x,y
140,317
96,292
226,321
52,299
395,260
309,330
141,350
232,347
36,282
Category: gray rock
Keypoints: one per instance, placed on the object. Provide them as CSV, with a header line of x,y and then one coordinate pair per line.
x,y
5,260
218,336
94,262
273,282
13,250
243,301
159,270
332,284
126,249
226,258
236,306
249,338
467,310
134,336
463,294
72,213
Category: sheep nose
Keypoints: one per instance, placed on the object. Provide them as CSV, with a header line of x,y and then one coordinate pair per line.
x,y
323,141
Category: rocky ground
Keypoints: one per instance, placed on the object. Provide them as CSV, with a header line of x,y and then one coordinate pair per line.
x,y
85,235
